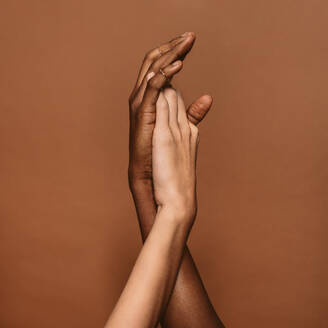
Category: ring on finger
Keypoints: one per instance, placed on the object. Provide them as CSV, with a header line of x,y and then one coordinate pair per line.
x,y
163,73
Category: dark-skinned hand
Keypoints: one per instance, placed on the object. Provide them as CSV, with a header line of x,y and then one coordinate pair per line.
x,y
167,59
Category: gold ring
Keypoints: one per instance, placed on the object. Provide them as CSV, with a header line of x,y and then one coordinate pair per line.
x,y
163,73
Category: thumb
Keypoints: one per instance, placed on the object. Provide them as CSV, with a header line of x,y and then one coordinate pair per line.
x,y
199,108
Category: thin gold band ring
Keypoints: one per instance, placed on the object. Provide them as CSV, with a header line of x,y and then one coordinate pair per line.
x,y
163,73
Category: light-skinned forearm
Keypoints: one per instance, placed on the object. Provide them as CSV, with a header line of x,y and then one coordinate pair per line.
x,y
189,305
150,284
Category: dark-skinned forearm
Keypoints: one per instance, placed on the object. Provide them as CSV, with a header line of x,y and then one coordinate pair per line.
x,y
189,305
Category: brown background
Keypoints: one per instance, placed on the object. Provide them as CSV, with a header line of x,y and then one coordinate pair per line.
x,y
69,235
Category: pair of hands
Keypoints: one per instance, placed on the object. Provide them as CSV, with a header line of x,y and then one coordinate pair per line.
x,y
163,134
164,284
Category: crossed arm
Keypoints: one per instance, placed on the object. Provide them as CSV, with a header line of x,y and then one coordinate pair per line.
x,y
148,289
163,229
189,304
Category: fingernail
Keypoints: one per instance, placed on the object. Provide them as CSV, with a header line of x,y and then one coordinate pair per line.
x,y
176,63
149,76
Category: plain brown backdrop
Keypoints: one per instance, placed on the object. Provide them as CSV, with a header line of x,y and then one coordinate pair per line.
x,y
69,234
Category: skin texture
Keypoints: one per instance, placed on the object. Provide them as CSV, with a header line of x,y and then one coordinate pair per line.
x,y
189,304
150,284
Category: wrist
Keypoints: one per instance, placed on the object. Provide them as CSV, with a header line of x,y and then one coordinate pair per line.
x,y
177,213
141,187
139,181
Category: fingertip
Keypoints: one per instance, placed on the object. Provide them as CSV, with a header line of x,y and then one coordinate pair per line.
x,y
199,108
190,38
189,35
174,68
206,100
192,35
177,63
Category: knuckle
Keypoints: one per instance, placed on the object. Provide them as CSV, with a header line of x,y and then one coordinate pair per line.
x,y
149,55
197,111
176,132
131,98
185,130
152,83
134,105
133,101
152,67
